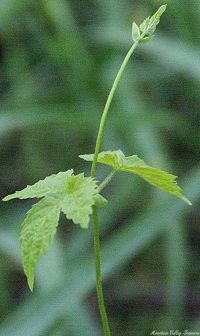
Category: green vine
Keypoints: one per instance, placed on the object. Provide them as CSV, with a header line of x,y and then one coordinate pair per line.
x,y
77,196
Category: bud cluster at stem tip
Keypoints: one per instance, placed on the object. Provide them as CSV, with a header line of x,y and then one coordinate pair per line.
x,y
145,31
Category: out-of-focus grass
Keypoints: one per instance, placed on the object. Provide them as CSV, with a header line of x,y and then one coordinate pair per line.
x,y
58,60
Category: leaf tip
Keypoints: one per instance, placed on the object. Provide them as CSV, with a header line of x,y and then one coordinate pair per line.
x,y
84,225
186,200
30,280
161,9
7,198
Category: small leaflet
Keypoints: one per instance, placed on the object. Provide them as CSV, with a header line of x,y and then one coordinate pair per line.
x,y
135,32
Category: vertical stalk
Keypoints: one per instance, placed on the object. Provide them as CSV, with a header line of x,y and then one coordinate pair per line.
x,y
102,307
107,106
97,248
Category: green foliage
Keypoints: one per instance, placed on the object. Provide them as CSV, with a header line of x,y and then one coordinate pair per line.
x,y
76,195
79,198
135,32
73,195
133,164
147,28
155,115
38,230
51,185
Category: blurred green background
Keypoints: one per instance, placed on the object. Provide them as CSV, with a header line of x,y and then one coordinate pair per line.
x,y
58,60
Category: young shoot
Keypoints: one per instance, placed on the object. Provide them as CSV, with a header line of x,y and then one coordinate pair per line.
x,y
79,196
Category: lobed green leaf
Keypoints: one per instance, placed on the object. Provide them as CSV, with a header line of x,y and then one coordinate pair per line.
x,y
133,164
73,194
38,230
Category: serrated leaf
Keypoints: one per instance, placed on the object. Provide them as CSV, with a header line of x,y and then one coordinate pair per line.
x,y
79,199
52,184
38,230
148,26
75,192
74,195
135,32
133,164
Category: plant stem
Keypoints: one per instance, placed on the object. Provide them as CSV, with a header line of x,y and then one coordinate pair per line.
x,y
107,105
97,248
99,288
